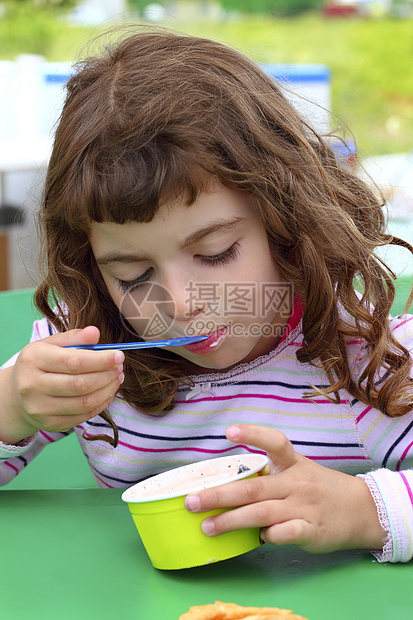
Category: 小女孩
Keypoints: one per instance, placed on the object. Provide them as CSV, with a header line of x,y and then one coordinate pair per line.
x,y
185,195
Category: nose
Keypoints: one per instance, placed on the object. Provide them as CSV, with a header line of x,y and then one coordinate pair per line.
x,y
186,303
152,308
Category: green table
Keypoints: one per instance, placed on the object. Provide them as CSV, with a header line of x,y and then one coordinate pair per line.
x,y
71,554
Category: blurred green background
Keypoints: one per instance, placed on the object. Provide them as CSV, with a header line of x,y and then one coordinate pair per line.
x,y
370,56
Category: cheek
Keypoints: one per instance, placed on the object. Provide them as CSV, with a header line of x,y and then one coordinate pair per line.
x,y
148,310
112,290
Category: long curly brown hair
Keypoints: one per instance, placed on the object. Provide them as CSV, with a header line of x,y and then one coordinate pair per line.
x,y
151,117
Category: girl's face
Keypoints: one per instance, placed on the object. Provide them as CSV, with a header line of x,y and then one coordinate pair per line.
x,y
206,269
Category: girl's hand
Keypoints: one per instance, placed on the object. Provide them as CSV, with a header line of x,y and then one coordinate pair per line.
x,y
53,388
299,502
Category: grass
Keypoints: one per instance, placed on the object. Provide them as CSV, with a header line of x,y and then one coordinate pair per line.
x,y
370,60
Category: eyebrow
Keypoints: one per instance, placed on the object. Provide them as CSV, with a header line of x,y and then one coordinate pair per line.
x,y
220,226
212,228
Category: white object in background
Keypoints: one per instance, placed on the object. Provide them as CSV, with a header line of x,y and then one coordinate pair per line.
x,y
308,88
31,97
24,155
95,12
27,89
154,12
393,176
20,86
54,76
7,99
32,94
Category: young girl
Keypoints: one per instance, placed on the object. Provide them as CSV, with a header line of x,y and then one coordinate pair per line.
x,y
186,196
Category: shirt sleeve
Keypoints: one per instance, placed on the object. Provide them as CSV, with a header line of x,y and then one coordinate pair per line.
x,y
393,495
41,329
14,458
389,446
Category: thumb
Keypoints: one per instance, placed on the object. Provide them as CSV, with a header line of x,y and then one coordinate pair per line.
x,y
278,448
87,335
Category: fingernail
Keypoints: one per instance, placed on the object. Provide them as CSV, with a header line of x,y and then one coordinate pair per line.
x,y
208,526
233,432
192,503
121,378
119,357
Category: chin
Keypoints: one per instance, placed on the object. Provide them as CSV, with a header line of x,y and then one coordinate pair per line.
x,y
219,361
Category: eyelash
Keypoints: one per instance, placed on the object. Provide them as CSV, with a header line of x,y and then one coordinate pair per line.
x,y
127,286
225,257
221,259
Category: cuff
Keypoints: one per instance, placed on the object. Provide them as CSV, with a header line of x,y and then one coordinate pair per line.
x,y
386,554
8,451
392,495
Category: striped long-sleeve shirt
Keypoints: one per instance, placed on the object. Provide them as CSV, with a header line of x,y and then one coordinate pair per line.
x,y
270,391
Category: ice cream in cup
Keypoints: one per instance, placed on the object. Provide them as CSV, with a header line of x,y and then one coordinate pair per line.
x,y
172,536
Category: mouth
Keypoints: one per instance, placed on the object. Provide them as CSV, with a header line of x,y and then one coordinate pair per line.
x,y
210,344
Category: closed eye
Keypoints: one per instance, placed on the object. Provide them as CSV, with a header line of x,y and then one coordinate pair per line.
x,y
223,258
220,259
126,286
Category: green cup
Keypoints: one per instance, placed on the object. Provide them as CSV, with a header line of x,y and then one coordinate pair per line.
x,y
172,536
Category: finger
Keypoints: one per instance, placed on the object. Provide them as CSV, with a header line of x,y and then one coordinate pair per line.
x,y
76,405
61,424
276,445
259,515
73,337
50,358
237,493
79,385
87,335
295,532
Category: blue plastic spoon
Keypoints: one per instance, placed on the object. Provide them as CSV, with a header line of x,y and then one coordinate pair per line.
x,y
124,346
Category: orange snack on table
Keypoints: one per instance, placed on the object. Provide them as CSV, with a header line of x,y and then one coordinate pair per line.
x,y
232,611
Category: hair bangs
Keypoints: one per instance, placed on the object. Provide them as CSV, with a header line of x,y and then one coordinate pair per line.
x,y
131,186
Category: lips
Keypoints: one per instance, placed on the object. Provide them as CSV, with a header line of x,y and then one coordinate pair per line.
x,y
208,345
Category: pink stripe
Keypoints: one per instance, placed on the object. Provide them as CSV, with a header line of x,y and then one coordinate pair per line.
x,y
47,436
337,458
362,414
403,456
403,323
270,396
408,487
248,449
180,449
11,467
105,483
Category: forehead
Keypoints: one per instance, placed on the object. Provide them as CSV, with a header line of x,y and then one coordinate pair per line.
x,y
217,210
